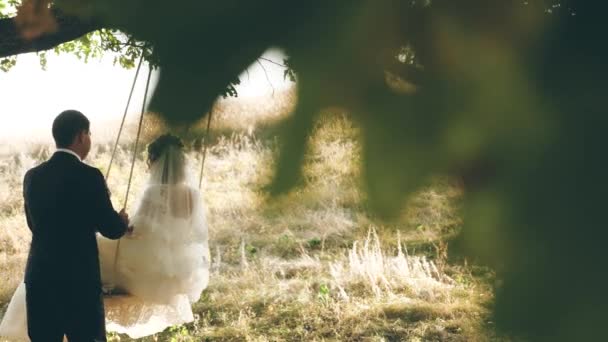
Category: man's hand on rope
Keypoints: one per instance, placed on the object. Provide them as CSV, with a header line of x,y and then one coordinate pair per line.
x,y
125,218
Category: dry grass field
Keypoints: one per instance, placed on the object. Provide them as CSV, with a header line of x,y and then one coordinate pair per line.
x,y
313,265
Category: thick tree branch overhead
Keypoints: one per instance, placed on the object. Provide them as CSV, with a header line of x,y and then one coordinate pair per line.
x,y
68,29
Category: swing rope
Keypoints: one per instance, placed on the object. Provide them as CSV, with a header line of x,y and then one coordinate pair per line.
x,y
124,116
141,120
200,179
134,158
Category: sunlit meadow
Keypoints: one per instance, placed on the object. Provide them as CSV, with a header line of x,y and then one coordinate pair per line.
x,y
312,265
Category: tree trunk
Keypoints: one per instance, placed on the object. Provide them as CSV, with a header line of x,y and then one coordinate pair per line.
x,y
68,28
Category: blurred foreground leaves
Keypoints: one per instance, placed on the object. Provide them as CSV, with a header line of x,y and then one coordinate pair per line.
x,y
507,95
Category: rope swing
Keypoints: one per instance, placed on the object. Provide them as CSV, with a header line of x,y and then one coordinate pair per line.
x,y
124,116
134,157
141,120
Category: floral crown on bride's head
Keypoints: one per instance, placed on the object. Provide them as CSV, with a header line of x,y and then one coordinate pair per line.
x,y
160,145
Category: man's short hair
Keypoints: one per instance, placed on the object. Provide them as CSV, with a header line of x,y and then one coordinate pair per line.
x,y
67,125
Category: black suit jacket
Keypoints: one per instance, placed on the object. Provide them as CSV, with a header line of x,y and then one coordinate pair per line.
x,y
66,203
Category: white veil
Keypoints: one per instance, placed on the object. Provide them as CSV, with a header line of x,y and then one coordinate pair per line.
x,y
170,167
170,194
170,231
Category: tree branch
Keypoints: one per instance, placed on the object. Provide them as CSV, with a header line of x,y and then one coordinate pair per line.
x,y
273,62
68,29
267,78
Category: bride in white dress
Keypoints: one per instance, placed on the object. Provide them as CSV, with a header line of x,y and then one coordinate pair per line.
x,y
162,267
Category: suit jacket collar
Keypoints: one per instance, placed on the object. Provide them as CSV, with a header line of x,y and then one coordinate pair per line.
x,y
65,150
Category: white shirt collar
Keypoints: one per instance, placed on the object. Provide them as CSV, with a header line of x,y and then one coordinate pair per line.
x,y
69,151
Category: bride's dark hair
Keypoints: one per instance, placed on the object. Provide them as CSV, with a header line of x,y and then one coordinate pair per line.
x,y
161,144
172,170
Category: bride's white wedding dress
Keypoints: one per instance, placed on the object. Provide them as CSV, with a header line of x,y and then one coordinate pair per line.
x,y
163,265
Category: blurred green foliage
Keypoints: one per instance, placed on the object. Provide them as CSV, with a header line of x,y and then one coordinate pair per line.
x,y
506,95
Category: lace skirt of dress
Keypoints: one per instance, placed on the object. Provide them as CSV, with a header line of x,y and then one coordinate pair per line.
x,y
164,267
124,315
14,322
132,316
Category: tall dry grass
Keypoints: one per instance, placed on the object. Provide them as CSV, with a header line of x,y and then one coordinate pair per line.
x,y
312,265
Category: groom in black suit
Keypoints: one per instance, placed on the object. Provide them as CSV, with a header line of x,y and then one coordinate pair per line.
x,y
66,203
